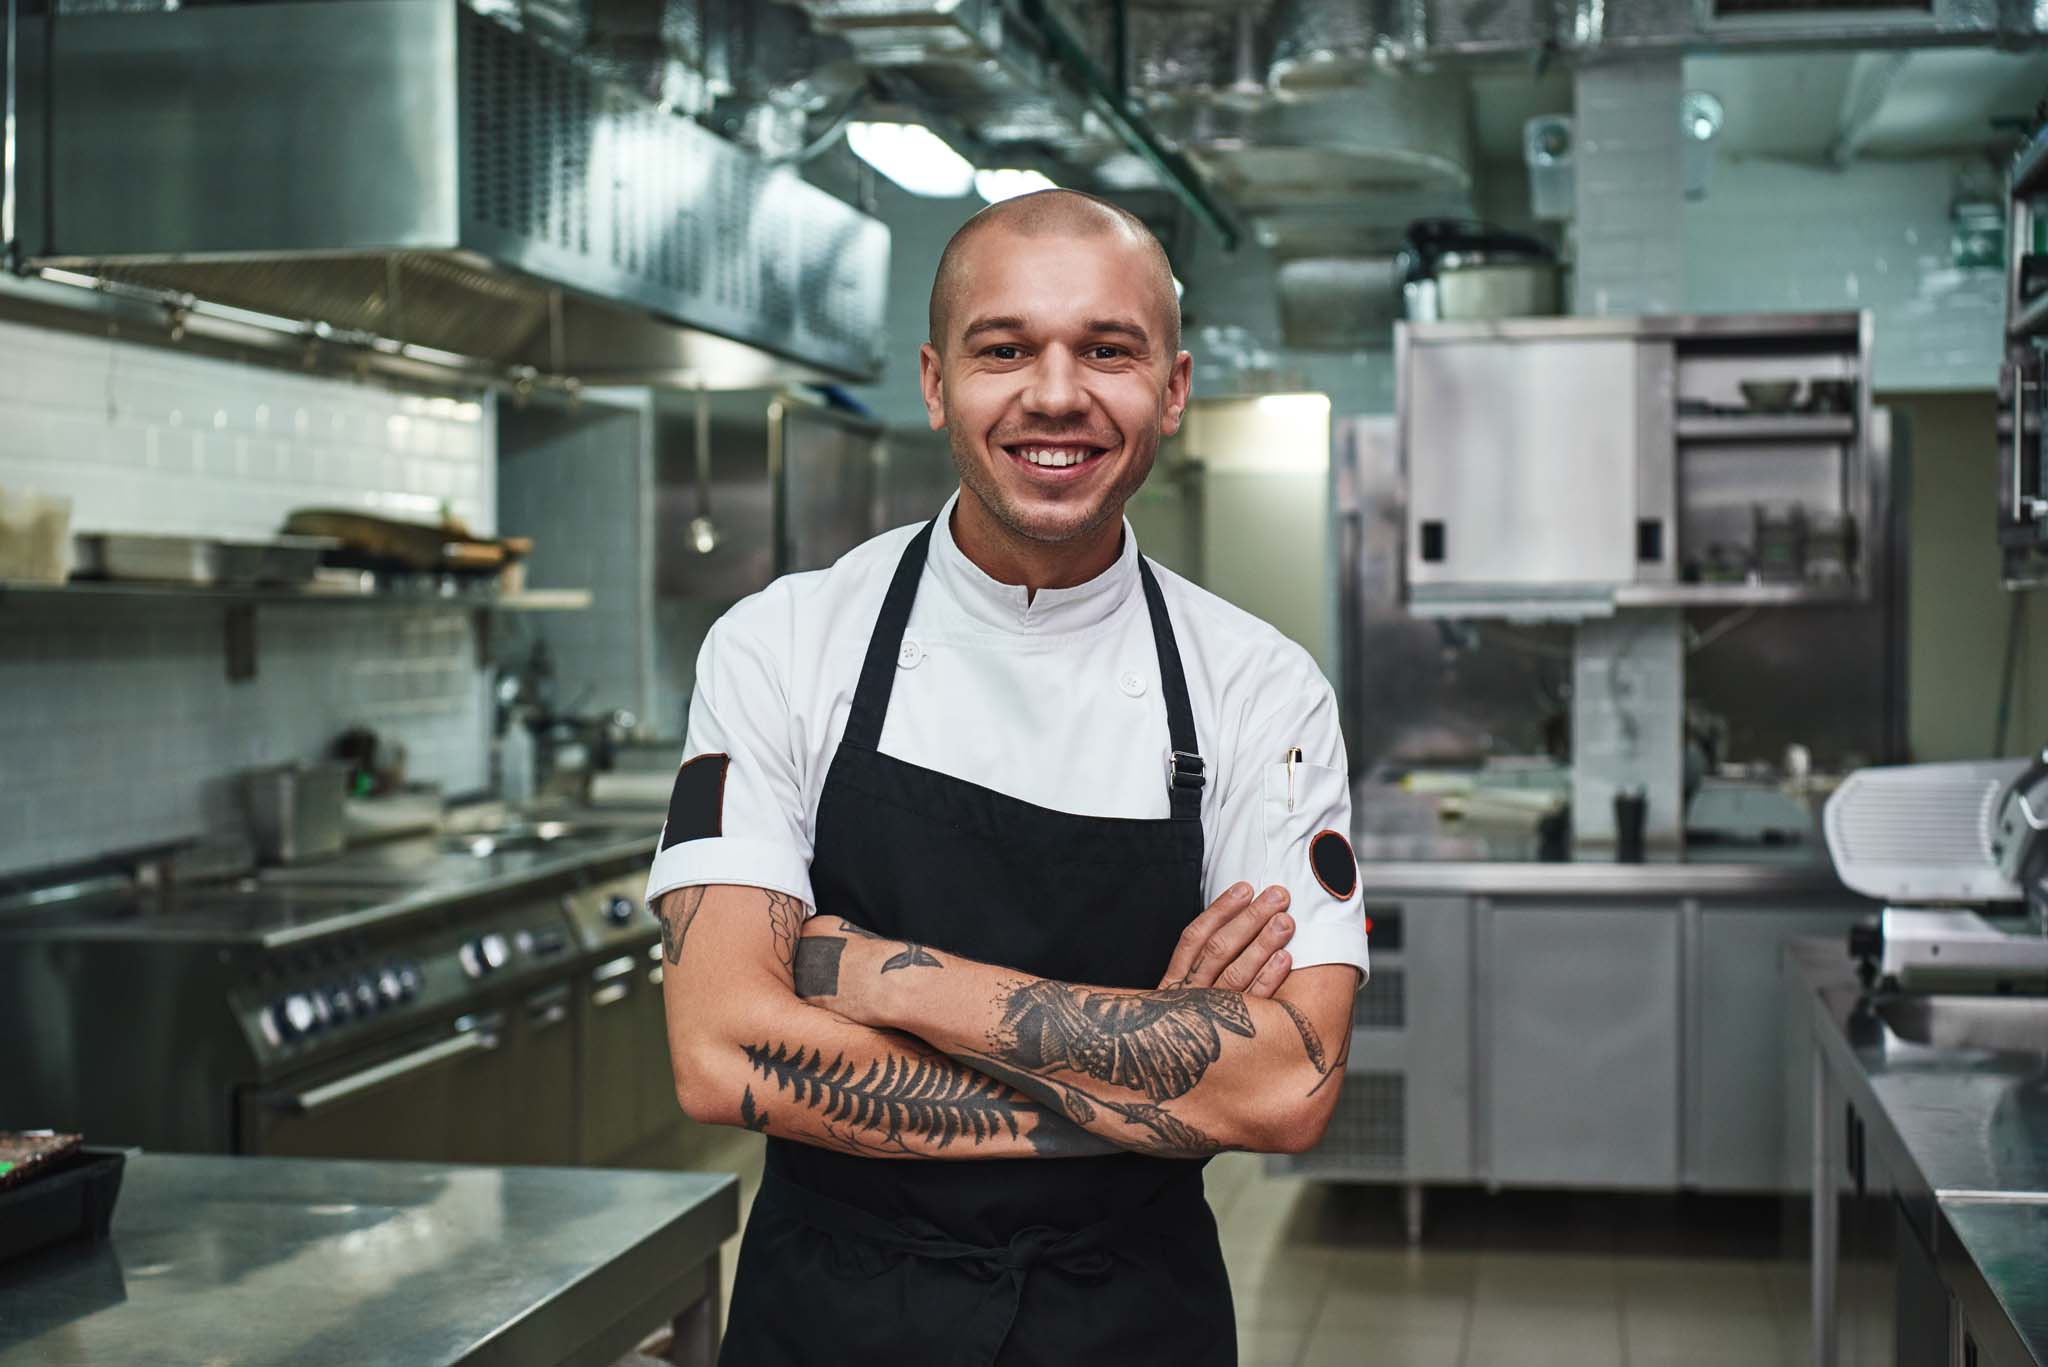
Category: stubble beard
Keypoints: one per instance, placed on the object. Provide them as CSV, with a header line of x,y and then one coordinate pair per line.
x,y
981,482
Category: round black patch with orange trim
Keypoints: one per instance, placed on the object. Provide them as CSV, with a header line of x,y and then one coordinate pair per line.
x,y
1335,867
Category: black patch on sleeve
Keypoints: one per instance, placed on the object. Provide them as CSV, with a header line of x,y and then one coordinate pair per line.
x,y
1335,867
696,805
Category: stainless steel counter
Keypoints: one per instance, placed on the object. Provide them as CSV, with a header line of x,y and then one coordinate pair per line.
x,y
1399,866
262,1260
1961,1133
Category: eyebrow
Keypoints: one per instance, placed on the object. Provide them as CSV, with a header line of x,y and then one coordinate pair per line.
x,y
1120,327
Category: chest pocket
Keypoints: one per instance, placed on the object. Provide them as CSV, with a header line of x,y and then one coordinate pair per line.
x,y
1307,850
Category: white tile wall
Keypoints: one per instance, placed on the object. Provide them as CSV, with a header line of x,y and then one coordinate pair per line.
x,y
117,725
143,439
1628,227
1775,235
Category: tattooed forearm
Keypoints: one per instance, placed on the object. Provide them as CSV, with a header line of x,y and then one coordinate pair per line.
x,y
1313,1043
750,1117
1162,1135
815,965
786,924
1159,1043
675,912
913,956
897,1097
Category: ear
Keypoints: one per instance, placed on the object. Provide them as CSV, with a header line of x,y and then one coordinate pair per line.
x,y
928,380
1179,381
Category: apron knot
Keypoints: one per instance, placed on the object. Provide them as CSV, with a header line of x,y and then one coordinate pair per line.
x,y
1077,1252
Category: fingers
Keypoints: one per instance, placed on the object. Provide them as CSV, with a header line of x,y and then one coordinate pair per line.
x,y
1255,958
1234,936
1272,975
1192,940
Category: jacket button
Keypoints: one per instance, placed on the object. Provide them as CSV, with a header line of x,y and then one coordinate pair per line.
x,y
1132,683
910,655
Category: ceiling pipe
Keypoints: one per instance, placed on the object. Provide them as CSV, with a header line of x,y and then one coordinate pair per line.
x,y
1871,78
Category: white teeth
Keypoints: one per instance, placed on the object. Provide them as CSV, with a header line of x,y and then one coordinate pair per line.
x,y
1051,457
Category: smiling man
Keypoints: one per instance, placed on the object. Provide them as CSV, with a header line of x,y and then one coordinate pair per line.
x,y
933,879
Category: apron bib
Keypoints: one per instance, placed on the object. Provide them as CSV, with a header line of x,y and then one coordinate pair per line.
x,y
1107,1259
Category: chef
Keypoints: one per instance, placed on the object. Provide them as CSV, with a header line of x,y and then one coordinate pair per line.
x,y
957,886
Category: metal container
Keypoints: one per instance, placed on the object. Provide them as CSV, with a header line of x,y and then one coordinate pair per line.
x,y
159,559
297,812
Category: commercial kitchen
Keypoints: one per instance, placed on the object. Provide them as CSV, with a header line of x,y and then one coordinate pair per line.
x,y
1635,411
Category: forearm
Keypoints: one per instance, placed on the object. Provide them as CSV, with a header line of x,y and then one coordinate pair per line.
x,y
1175,1071
747,1052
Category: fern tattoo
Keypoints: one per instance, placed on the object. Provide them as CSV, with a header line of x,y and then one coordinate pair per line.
x,y
928,1098
753,1119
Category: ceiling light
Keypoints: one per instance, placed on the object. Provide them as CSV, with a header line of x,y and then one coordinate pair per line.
x,y
1008,182
913,156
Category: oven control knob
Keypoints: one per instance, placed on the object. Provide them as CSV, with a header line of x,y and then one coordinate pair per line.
x,y
389,988
408,981
294,1015
618,909
341,1001
496,953
367,997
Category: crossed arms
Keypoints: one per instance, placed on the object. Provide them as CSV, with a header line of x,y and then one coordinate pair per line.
x,y
818,1031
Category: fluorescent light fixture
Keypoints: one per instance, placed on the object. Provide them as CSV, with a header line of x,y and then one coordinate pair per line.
x,y
913,156
1008,182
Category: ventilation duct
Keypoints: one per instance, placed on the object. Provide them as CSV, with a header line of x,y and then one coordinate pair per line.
x,y
415,172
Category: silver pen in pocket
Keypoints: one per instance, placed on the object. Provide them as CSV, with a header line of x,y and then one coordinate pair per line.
x,y
1292,758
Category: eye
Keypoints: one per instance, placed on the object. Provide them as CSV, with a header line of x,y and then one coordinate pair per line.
x,y
1103,351
1003,351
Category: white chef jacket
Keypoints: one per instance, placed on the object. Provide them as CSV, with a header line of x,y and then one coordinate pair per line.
x,y
1053,699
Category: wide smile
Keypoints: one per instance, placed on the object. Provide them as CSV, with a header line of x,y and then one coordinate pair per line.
x,y
1054,462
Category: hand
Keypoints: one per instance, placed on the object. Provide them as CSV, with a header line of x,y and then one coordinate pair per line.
x,y
1236,944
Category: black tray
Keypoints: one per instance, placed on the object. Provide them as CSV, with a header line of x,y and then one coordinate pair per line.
x,y
74,1198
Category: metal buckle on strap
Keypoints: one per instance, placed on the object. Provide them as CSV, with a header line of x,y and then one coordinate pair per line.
x,y
1184,770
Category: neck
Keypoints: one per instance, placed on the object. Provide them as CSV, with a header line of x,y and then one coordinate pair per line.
x,y
1008,558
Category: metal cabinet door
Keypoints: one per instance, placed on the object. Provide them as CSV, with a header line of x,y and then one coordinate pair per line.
x,y
1521,461
1580,1043
608,1081
1747,1118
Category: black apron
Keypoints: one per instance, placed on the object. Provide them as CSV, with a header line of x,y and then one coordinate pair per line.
x,y
1054,1261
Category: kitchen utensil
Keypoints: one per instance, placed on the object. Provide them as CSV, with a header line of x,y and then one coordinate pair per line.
x,y
373,542
1830,394
157,559
59,1197
35,537
1631,806
1780,541
285,560
1452,268
1770,396
296,811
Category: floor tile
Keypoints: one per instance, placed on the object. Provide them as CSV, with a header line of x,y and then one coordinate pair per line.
x,y
1270,1345
1383,1348
1585,1335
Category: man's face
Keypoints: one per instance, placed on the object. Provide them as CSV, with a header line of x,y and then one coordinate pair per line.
x,y
1056,379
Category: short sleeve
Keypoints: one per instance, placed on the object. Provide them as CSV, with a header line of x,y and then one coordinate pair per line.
x,y
1290,824
737,812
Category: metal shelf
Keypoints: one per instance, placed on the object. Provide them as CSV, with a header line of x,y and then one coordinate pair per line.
x,y
2032,319
86,591
2030,167
1735,427
1734,595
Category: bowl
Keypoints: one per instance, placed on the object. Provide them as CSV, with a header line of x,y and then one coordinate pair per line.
x,y
1770,396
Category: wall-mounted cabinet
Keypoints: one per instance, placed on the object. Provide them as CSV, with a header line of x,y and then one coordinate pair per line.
x,y
1562,467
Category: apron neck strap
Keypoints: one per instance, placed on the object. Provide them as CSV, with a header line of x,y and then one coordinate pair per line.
x,y
1185,771
878,670
1185,774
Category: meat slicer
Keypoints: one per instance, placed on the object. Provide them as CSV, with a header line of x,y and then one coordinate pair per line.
x,y
1958,854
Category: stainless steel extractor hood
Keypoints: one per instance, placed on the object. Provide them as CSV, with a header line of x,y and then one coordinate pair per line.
x,y
414,171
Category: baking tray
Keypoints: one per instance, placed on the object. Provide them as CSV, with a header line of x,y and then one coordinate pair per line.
x,y
73,1199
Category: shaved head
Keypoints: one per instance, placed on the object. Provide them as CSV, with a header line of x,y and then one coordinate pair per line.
x,y
1050,213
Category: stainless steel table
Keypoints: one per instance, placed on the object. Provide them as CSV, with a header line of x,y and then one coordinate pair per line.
x,y
1963,1136
255,1261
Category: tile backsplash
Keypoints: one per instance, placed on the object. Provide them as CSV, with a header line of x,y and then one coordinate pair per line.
x,y
118,726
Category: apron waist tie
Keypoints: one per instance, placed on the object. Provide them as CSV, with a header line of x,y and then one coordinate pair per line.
x,y
1082,1253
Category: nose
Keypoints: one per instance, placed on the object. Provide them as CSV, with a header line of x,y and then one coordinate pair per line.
x,y
1055,391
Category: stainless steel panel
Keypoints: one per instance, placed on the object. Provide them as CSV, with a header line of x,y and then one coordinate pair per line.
x,y
414,170
1582,1045
1736,1059
738,496
828,465
261,129
1524,455
918,476
1656,492
1436,953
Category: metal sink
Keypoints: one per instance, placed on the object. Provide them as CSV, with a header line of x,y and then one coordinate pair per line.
x,y
2006,1025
